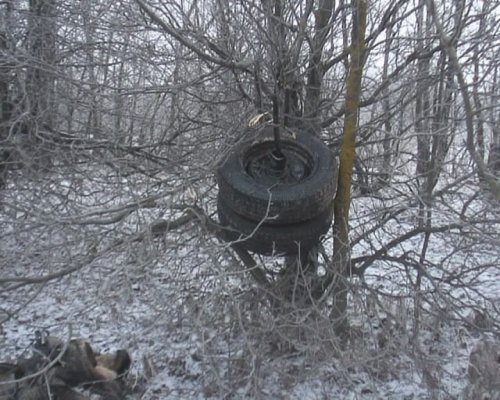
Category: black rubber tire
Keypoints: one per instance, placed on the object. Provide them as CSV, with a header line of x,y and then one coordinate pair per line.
x,y
287,239
291,203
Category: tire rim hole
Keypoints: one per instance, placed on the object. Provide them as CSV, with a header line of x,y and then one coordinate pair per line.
x,y
271,167
278,161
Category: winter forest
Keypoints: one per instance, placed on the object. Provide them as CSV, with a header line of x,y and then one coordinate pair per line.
x,y
115,117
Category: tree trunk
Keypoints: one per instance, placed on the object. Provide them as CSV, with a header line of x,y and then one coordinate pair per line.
x,y
315,71
341,258
422,110
40,77
386,104
4,90
8,72
4,108
494,122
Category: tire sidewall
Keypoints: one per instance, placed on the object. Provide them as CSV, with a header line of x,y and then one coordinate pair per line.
x,y
283,203
267,239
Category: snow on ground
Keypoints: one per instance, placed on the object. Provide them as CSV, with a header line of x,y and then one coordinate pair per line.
x,y
182,303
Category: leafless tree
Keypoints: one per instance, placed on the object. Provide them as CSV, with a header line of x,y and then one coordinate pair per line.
x,y
135,103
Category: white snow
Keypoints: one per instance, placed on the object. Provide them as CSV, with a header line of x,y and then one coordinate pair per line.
x,y
182,301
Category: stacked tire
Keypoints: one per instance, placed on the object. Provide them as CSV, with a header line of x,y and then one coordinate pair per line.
x,y
280,212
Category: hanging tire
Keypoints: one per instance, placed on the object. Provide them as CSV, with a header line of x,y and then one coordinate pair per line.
x,y
255,192
266,239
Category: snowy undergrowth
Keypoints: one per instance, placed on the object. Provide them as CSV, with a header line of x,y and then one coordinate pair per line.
x,y
182,304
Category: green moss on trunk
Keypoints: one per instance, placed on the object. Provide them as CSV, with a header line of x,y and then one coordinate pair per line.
x,y
341,259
